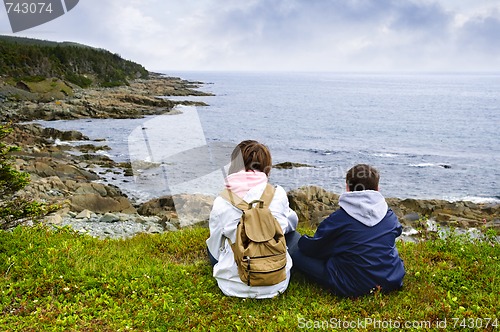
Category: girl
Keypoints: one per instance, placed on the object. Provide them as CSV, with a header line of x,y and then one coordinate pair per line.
x,y
248,175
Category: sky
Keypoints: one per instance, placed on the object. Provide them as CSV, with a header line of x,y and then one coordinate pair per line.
x,y
286,35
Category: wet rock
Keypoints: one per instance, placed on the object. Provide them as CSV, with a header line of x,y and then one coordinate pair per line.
x,y
289,165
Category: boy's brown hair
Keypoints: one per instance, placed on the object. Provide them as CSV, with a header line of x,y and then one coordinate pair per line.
x,y
362,177
251,155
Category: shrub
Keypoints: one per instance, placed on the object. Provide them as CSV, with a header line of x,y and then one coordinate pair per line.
x,y
13,208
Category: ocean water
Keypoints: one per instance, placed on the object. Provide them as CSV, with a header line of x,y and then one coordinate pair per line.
x,y
431,136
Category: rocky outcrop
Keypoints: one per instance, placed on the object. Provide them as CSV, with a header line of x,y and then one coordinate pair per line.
x,y
136,100
71,175
289,165
461,214
313,204
58,177
100,204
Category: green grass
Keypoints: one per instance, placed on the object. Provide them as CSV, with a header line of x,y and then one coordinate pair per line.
x,y
49,85
63,281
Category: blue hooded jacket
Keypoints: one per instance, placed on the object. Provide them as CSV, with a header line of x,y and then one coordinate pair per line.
x,y
358,244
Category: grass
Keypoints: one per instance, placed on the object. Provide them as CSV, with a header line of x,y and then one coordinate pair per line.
x,y
63,281
49,86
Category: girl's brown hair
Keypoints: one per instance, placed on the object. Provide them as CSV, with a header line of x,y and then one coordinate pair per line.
x,y
251,155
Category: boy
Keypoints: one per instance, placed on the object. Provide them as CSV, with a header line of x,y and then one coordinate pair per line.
x,y
353,250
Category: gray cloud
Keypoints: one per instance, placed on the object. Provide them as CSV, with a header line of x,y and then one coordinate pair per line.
x,y
289,34
482,33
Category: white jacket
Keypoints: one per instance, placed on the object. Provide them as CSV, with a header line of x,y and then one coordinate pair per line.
x,y
224,219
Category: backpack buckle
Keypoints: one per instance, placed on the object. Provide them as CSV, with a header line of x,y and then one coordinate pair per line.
x,y
256,201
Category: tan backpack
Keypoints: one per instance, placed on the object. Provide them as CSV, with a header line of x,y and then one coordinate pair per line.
x,y
260,248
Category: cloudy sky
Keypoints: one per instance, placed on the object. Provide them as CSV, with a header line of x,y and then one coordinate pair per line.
x,y
298,35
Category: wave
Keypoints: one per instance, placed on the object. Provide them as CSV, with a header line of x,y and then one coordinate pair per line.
x,y
58,142
385,155
476,199
423,165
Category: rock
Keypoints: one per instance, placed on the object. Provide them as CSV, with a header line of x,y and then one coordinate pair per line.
x,y
85,214
109,217
154,229
169,227
65,171
193,209
101,204
42,169
412,216
312,204
289,165
162,207
188,210
442,217
409,219
91,188
55,219
71,135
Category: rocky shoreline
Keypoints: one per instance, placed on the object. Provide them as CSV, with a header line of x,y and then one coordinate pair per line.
x,y
72,176
140,98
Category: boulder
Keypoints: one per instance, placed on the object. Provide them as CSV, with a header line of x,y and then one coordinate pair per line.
x,y
162,207
312,204
65,171
193,209
99,204
91,188
109,217
184,210
42,169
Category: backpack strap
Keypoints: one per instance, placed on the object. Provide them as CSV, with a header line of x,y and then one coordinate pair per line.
x,y
267,195
238,202
234,199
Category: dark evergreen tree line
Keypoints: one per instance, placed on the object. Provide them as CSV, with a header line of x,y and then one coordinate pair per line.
x,y
23,58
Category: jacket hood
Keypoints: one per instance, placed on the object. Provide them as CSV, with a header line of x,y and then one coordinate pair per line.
x,y
368,206
241,182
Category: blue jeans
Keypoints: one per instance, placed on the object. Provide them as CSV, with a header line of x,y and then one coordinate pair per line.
x,y
292,241
212,259
313,268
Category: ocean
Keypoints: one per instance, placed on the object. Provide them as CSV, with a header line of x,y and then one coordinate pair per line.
x,y
430,135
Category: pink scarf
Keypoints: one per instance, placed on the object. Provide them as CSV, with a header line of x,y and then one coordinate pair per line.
x,y
241,182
